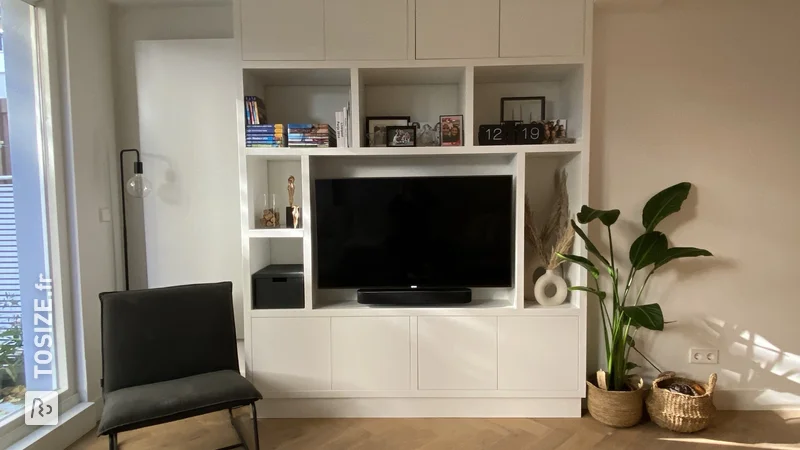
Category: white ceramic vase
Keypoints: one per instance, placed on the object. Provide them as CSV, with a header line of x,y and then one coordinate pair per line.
x,y
540,289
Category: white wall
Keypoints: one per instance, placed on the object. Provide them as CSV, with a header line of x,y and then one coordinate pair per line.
x,y
90,143
707,92
130,24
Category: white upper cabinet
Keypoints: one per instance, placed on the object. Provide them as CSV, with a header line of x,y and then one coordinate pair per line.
x,y
281,30
541,28
366,29
457,29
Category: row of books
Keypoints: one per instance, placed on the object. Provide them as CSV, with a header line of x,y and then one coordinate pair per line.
x,y
255,112
342,126
311,135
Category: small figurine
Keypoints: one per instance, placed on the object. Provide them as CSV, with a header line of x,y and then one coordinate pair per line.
x,y
291,190
292,210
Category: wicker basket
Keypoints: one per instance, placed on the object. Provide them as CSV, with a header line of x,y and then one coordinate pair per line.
x,y
620,409
681,412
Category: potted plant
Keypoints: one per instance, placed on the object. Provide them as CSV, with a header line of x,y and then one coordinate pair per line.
x,y
612,398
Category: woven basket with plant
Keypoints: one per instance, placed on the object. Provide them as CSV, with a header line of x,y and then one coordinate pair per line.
x,y
680,404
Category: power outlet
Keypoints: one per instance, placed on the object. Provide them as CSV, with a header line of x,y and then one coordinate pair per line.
x,y
703,356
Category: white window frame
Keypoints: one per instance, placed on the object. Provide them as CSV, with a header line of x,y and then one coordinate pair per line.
x,y
45,19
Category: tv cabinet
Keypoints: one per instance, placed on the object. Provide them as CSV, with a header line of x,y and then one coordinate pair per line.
x,y
502,355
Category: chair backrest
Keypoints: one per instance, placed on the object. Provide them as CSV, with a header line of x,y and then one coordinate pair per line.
x,y
162,334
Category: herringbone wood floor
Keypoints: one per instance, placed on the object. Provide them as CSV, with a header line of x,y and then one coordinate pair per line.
x,y
763,430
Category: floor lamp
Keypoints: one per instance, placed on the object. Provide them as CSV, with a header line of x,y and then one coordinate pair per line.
x,y
137,186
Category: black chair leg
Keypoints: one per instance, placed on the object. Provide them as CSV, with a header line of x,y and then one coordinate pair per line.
x,y
112,442
255,425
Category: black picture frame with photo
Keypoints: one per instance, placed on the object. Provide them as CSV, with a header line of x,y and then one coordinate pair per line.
x,y
375,126
522,109
401,136
452,130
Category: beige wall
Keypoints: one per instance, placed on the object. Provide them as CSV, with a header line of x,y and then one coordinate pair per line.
x,y
709,92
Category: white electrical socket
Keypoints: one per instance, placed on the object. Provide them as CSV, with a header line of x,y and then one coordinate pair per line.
x,y
703,356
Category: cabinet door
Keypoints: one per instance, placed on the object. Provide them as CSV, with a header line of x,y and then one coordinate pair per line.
x,y
283,30
366,29
457,28
371,353
292,354
538,353
457,352
541,28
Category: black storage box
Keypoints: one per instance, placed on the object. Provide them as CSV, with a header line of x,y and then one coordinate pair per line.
x,y
279,286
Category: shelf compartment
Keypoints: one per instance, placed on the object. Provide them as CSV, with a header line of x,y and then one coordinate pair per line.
x,y
561,85
276,233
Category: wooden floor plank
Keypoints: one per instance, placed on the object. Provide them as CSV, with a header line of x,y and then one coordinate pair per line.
x,y
778,430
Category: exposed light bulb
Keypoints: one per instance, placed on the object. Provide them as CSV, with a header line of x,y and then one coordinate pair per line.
x,y
137,185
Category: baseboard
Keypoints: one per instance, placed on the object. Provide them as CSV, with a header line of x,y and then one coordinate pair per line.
x,y
755,400
419,407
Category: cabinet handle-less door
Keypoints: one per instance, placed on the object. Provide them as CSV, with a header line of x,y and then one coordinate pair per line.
x,y
366,29
457,28
541,28
283,30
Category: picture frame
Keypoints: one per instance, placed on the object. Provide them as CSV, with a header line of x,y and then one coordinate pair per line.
x,y
428,135
524,109
401,136
452,130
375,126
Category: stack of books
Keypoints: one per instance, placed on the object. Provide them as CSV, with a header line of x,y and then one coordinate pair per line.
x,y
311,135
263,135
342,128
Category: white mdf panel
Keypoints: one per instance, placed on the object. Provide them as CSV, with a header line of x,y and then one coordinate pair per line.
x,y
291,354
457,352
538,353
371,353
280,30
530,28
447,29
366,29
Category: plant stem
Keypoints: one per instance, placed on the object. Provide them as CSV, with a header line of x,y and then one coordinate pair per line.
x,y
611,249
631,275
606,319
645,358
638,297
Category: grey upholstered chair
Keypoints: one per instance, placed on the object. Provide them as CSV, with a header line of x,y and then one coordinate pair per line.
x,y
170,354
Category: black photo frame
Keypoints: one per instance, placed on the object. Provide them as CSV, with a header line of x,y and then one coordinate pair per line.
x,y
401,136
529,105
381,121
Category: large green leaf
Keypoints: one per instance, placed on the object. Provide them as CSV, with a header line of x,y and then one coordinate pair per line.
x,y
608,217
647,249
600,294
680,252
589,245
581,261
647,316
663,204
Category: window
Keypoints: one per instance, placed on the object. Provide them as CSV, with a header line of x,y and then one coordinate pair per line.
x,y
33,319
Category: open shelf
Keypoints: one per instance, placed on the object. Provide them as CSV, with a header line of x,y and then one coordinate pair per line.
x,y
273,233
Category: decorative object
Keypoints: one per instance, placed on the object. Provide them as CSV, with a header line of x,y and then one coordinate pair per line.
x,y
556,231
555,131
620,409
530,133
627,313
376,128
687,411
137,186
427,135
404,136
452,130
495,135
271,217
292,211
524,109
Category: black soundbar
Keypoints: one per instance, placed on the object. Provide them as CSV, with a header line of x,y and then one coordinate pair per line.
x,y
414,297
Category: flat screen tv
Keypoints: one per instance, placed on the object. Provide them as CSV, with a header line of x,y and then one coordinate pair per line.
x,y
433,232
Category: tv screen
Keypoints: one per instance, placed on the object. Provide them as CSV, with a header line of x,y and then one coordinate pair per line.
x,y
420,231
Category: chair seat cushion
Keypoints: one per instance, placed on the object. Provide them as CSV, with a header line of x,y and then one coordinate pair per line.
x,y
152,404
